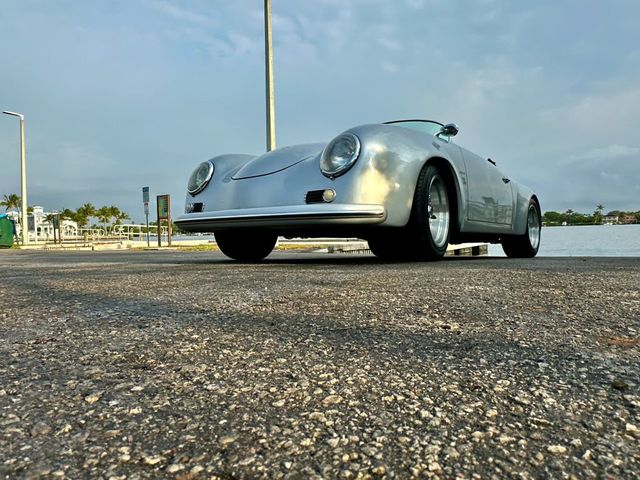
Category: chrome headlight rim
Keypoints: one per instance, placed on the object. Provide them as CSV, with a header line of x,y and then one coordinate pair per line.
x,y
198,187
328,150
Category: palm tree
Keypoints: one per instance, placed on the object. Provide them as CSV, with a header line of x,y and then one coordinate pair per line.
x,y
597,215
84,213
11,201
69,214
122,216
114,212
104,216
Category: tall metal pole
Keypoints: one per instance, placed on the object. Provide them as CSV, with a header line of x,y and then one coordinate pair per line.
x,y
23,165
271,108
23,169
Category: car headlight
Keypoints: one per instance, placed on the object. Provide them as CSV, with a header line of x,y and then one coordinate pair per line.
x,y
341,153
200,178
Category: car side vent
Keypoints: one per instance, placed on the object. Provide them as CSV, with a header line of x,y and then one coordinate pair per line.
x,y
314,196
198,207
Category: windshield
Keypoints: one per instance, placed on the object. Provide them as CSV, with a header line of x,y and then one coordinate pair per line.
x,y
426,126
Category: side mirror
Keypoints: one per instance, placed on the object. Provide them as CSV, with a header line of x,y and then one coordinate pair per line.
x,y
449,130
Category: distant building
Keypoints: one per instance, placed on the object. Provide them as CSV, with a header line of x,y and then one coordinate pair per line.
x,y
610,220
629,218
40,228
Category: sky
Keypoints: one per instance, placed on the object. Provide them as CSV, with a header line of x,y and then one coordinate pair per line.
x,y
120,94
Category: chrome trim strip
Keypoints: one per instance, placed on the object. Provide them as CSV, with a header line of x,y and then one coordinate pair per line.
x,y
286,216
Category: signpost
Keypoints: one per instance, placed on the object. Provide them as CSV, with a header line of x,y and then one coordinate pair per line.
x,y
163,203
145,200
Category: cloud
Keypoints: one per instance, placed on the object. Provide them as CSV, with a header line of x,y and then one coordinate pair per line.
x,y
388,43
606,153
179,13
416,4
390,67
615,109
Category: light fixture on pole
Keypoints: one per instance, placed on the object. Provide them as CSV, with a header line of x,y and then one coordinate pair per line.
x,y
23,163
268,60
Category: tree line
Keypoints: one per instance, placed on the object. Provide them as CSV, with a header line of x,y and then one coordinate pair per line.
x,y
82,215
571,217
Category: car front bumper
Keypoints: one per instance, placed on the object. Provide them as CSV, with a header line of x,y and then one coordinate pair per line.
x,y
285,217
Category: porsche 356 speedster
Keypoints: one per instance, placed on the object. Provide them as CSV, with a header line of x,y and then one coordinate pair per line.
x,y
404,186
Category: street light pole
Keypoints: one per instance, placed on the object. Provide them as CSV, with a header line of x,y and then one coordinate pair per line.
x,y
268,60
23,164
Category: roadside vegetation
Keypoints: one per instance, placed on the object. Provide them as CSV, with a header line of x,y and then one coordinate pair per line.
x,y
105,217
598,217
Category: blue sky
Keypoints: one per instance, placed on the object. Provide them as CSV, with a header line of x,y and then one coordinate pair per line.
x,y
122,94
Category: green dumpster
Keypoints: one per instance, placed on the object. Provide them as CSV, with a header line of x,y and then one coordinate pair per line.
x,y
6,231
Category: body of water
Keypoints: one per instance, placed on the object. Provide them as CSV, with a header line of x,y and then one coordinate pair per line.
x,y
587,241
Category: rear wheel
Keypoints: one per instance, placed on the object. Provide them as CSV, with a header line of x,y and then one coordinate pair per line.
x,y
526,245
431,215
246,246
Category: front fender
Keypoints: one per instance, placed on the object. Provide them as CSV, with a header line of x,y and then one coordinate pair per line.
x,y
391,160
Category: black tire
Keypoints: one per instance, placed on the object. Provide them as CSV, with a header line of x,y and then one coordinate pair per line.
x,y
390,247
246,246
431,215
526,245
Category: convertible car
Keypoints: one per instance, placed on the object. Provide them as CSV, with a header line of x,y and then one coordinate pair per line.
x,y
404,186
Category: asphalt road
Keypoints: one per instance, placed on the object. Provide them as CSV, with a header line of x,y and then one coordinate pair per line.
x,y
185,365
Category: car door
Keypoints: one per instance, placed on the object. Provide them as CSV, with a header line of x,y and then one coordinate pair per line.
x,y
490,196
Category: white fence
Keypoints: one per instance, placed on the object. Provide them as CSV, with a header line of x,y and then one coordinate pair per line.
x,y
115,233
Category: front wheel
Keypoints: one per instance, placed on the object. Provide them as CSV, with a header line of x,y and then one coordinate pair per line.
x,y
246,246
390,247
527,245
431,220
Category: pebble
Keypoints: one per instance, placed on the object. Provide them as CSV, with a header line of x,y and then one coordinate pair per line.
x,y
556,449
379,470
93,398
505,439
333,442
319,416
227,440
40,428
150,460
331,400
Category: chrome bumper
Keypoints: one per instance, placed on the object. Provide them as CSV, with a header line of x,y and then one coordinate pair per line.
x,y
284,217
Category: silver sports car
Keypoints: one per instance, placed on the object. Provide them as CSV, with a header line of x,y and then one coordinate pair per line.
x,y
403,186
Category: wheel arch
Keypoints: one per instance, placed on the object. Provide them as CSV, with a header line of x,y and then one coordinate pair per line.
x,y
534,197
522,210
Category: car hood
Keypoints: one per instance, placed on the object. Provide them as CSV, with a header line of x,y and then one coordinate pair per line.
x,y
277,160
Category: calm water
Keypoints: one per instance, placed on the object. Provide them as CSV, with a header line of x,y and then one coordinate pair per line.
x,y
591,241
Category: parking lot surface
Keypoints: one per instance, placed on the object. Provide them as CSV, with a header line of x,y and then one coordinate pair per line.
x,y
185,365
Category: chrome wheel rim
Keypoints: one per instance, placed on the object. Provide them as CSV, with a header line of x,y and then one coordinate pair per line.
x,y
533,224
438,211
